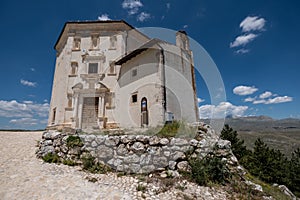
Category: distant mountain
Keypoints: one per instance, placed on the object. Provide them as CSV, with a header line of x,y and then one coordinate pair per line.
x,y
282,134
263,124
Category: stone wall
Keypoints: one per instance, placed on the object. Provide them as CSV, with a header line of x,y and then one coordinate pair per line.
x,y
136,153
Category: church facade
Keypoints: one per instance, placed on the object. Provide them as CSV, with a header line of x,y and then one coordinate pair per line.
x,y
109,75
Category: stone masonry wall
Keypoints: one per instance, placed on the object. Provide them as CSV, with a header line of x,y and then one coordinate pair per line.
x,y
136,153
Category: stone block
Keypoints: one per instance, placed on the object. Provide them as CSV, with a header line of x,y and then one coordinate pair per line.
x,y
104,152
112,141
224,144
122,150
172,165
179,142
178,155
100,139
132,159
164,141
160,161
145,159
134,168
147,169
154,140
138,147
183,166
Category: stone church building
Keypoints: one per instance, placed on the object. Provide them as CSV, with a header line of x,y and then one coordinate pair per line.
x,y
109,75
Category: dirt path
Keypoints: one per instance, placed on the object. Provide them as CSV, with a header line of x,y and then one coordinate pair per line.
x,y
22,176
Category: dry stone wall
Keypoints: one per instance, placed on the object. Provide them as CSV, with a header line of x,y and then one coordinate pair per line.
x,y
134,153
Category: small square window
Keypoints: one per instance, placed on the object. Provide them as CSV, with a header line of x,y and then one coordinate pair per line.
x,y
93,68
134,72
134,98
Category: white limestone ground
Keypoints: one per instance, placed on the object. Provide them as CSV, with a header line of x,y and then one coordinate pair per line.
x,y
23,176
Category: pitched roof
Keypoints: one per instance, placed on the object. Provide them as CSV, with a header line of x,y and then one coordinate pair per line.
x,y
144,47
74,23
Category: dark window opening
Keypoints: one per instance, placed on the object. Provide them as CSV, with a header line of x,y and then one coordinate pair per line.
x,y
53,115
93,68
134,98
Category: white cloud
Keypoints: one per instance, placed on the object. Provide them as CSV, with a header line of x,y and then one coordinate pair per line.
x,y
168,6
28,102
242,51
243,40
221,110
28,83
185,26
244,90
249,99
279,100
32,69
275,100
143,16
24,121
259,101
265,95
252,24
27,109
104,17
200,100
132,6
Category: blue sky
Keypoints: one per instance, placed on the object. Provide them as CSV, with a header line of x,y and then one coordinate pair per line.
x,y
255,45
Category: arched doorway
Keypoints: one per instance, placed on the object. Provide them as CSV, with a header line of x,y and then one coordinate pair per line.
x,y
144,112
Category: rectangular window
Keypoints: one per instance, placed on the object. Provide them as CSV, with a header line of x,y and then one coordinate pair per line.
x,y
93,68
113,42
53,115
76,44
134,98
111,67
69,96
95,41
134,72
74,67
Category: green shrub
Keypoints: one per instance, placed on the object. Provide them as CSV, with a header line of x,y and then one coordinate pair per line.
x,y
141,188
209,170
90,165
266,164
51,158
69,162
73,141
237,146
169,130
177,128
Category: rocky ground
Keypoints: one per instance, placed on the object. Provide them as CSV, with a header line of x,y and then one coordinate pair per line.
x,y
23,176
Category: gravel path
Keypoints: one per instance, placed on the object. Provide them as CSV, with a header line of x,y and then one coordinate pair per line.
x,y
23,176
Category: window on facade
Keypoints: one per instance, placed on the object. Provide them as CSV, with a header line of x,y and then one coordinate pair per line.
x,y
134,98
113,41
134,72
111,67
74,67
53,115
95,41
76,44
69,96
93,68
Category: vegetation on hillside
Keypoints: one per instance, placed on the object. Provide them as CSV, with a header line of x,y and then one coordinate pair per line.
x,y
265,163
